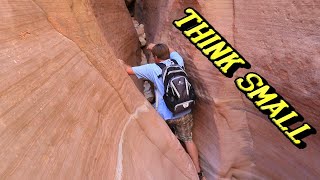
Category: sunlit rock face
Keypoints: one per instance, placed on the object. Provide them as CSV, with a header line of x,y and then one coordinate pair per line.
x,y
68,110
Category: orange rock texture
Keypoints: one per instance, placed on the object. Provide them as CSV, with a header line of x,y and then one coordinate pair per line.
x,y
69,111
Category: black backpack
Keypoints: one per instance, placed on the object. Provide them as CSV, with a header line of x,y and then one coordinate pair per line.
x,y
179,94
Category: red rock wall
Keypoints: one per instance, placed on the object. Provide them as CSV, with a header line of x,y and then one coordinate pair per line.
x,y
282,44
69,111
67,108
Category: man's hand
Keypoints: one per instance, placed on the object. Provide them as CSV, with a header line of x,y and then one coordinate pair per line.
x,y
126,67
150,46
121,62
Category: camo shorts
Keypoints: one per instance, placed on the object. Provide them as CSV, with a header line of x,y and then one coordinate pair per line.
x,y
181,127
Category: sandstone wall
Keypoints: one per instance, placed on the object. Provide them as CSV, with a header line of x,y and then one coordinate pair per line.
x,y
282,44
67,109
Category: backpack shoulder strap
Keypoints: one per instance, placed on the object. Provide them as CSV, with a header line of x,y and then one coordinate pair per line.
x,y
162,66
175,62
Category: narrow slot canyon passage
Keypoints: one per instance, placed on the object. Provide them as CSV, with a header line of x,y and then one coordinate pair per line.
x,y
135,8
157,22
68,110
227,130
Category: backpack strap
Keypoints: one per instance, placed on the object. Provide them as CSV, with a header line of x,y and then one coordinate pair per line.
x,y
162,66
175,62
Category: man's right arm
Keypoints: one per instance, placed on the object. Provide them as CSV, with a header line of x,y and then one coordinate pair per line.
x,y
171,50
126,67
143,71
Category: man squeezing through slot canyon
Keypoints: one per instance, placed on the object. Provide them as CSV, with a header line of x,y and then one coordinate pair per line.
x,y
180,122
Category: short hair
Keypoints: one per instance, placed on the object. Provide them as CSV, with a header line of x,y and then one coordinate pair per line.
x,y
161,51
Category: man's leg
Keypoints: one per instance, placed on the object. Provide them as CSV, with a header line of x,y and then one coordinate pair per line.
x,y
193,152
183,130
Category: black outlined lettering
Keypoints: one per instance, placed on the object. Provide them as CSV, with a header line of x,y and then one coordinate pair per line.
x,y
275,109
264,97
296,135
241,84
227,60
201,34
280,112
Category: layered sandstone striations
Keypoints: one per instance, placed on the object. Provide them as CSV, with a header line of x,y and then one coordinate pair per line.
x,y
67,109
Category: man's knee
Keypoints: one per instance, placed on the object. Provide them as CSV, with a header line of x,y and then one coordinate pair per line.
x,y
189,141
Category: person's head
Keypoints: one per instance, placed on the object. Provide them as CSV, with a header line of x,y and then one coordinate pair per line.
x,y
160,52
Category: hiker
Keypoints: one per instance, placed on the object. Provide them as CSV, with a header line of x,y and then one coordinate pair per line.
x,y
181,122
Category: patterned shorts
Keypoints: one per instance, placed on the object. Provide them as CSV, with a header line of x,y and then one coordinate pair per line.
x,y
181,127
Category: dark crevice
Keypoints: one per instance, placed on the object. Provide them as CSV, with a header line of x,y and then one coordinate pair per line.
x,y
131,6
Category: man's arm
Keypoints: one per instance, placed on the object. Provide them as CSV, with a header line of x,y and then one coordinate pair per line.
x,y
171,50
127,67
129,70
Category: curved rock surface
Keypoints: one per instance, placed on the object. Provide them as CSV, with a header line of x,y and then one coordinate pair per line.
x,y
69,111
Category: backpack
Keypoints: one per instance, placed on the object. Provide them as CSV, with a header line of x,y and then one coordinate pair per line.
x,y
179,94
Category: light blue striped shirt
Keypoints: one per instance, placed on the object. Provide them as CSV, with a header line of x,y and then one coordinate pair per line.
x,y
151,72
